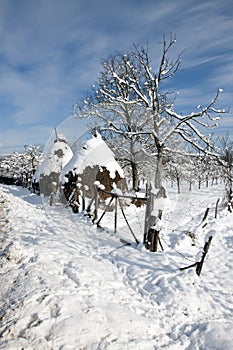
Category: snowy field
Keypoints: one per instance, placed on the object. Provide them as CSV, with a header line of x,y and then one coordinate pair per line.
x,y
66,284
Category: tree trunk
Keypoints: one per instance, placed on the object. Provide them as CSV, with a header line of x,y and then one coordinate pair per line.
x,y
178,183
153,215
158,180
190,186
134,169
159,171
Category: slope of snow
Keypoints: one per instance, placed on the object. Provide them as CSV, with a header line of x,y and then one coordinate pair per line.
x,y
66,284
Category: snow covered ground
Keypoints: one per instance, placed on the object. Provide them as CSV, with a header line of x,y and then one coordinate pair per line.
x,y
65,284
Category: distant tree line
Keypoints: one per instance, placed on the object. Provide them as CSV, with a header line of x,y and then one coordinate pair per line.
x,y
19,168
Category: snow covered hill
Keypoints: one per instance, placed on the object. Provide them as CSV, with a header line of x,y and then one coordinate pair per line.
x,y
65,284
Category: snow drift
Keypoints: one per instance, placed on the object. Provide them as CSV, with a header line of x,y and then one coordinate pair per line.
x,y
65,284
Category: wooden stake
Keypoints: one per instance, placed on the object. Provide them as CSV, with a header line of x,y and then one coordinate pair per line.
x,y
206,248
123,213
206,214
199,264
216,208
205,217
105,210
96,205
147,218
154,238
56,134
115,221
84,198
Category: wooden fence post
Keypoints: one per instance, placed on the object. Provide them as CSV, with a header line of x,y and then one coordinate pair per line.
x,y
200,263
95,217
216,209
154,239
205,217
115,220
147,218
83,198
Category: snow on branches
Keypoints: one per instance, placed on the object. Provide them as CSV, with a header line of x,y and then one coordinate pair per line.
x,y
129,101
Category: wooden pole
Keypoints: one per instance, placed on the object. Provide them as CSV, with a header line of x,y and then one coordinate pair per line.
x,y
147,217
89,206
205,217
199,264
96,204
216,209
154,235
106,208
206,248
115,221
206,214
123,213
83,198
56,134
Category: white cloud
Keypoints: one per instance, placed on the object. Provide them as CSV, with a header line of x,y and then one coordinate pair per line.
x,y
51,50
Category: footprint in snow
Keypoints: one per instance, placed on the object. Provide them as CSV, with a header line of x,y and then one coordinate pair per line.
x,y
71,275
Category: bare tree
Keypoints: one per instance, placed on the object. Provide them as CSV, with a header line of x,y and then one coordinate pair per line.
x,y
21,166
129,100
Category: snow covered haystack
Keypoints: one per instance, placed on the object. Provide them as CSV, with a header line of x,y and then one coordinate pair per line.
x,y
93,162
49,170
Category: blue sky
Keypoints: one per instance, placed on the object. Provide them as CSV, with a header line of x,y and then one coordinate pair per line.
x,y
50,53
